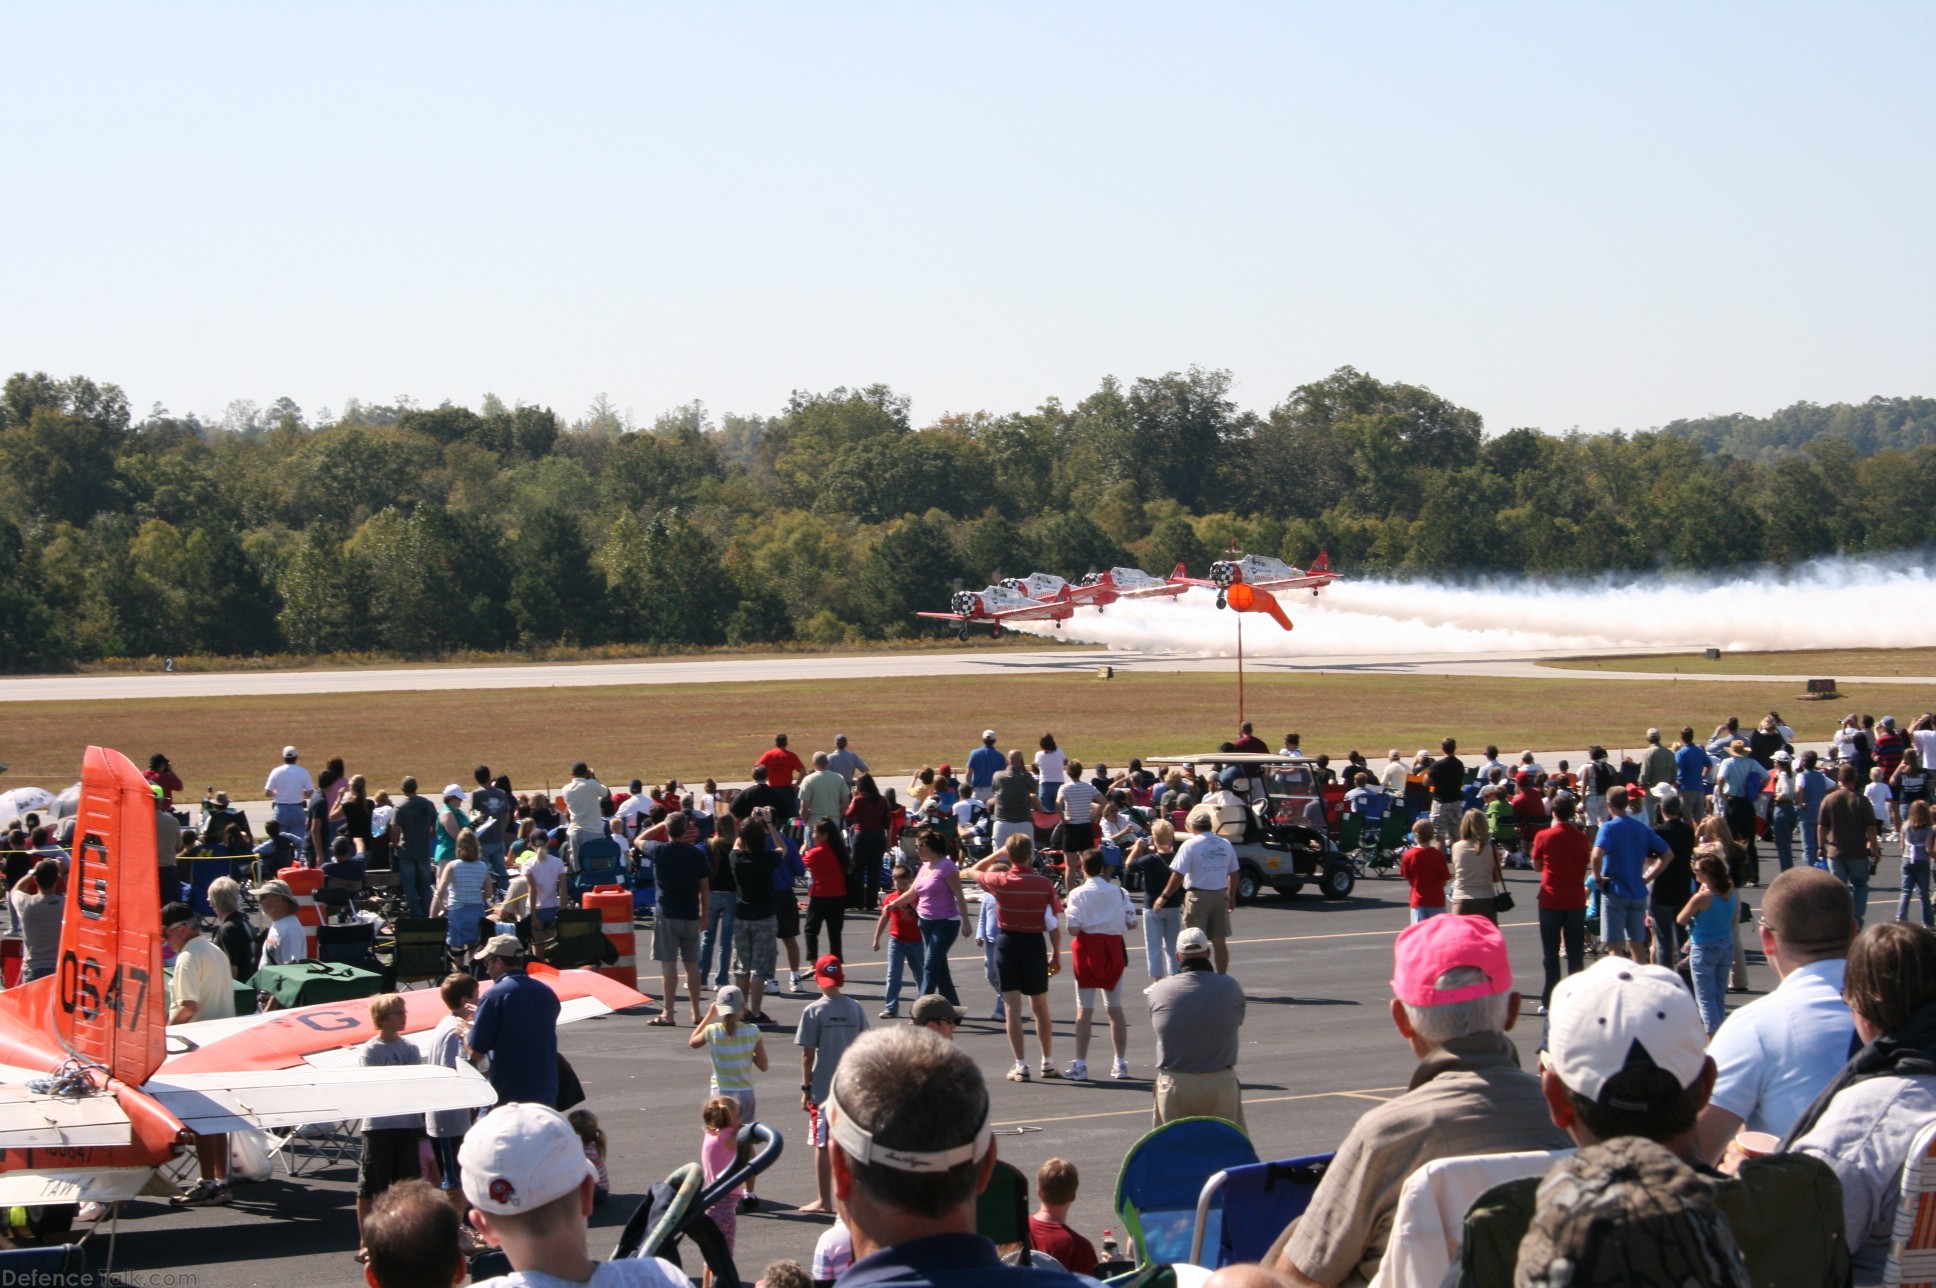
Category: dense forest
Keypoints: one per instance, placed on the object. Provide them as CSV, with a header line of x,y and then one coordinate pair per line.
x,y
418,531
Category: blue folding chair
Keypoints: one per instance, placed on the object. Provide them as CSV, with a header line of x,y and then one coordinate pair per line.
x,y
1256,1203
1163,1177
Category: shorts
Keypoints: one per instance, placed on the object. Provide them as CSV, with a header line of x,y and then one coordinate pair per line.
x,y
747,1098
389,1156
545,918
786,914
1208,911
675,939
1199,1095
1022,963
1623,921
1112,998
753,948
816,1126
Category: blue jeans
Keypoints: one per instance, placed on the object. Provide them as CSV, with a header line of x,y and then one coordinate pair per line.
x,y
463,928
994,978
1856,877
1915,880
1710,963
1048,793
1160,929
1811,851
1559,927
1668,936
937,937
1623,920
898,954
718,931
1422,914
493,856
413,879
1782,824
294,822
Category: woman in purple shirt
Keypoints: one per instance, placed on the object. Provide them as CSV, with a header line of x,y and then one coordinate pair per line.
x,y
938,901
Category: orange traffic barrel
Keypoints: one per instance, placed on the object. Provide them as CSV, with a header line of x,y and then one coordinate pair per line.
x,y
614,904
304,883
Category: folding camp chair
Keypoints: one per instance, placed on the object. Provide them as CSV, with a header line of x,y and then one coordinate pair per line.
x,y
1256,1202
599,863
353,944
676,1208
1001,1213
419,955
1912,1251
1162,1178
580,939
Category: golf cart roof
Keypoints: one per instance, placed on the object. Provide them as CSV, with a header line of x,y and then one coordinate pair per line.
x,y
1224,758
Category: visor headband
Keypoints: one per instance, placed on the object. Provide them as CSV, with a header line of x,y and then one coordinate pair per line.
x,y
859,1144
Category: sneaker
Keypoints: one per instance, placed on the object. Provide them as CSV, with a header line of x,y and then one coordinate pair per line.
x,y
1049,1070
793,981
1019,1073
1120,1069
204,1194
890,1013
1078,1071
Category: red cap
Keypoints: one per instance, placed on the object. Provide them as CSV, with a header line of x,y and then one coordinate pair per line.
x,y
827,971
1426,951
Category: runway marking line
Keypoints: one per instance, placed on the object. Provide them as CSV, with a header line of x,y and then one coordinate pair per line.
x,y
1367,1093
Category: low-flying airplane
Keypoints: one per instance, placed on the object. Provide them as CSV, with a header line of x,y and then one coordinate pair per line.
x,y
97,1090
1105,588
1265,573
1000,603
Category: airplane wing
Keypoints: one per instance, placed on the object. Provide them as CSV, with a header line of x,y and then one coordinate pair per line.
x,y
73,1185
225,1102
947,617
328,1034
35,1120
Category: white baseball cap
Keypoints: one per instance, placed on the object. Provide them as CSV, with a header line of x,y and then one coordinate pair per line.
x,y
288,753
988,735
520,1157
1616,1015
457,790
1192,943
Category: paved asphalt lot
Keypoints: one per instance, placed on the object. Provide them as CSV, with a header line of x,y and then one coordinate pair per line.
x,y
1318,1045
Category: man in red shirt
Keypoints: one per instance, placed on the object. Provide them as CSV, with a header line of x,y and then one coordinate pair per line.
x,y
162,774
1247,741
1055,1185
1561,854
1425,869
781,766
1027,949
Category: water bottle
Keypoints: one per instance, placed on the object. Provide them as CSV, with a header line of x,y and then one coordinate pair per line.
x,y
1108,1245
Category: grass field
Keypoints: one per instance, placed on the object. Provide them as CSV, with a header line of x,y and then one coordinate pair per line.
x,y
1832,663
657,731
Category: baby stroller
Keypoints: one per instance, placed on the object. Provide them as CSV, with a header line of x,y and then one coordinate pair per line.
x,y
676,1208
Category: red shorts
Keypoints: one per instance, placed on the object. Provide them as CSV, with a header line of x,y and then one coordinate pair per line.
x,y
1099,961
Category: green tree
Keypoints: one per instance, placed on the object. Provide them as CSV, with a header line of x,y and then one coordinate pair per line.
x,y
317,590
30,635
231,605
912,567
58,445
557,594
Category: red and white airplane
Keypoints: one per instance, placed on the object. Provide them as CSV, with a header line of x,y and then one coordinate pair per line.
x,y
1105,588
97,1090
1262,572
1002,602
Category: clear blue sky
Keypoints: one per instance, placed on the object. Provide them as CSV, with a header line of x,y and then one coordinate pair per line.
x,y
1558,215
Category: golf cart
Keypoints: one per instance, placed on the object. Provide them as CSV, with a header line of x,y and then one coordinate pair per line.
x,y
1275,847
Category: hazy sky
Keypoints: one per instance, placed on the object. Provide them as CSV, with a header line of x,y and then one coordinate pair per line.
x,y
1556,214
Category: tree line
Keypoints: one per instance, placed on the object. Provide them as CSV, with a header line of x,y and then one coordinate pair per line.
x,y
423,532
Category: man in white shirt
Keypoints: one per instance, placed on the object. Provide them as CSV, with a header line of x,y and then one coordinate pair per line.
x,y
289,788
585,802
1394,775
1205,871
1098,913
200,989
1777,1053
635,810
286,941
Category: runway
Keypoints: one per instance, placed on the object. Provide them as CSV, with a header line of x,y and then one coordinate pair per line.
x,y
817,666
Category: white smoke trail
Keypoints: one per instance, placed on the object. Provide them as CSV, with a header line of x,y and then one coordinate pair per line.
x,y
1880,602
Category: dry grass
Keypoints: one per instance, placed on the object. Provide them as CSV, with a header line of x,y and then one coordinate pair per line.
x,y
1832,663
658,730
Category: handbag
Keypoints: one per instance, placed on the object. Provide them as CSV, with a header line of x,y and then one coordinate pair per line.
x,y
1503,901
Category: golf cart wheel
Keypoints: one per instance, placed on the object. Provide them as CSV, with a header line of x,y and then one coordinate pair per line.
x,y
1337,882
1247,885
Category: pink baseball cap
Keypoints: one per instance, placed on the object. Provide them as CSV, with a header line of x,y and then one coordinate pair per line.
x,y
1426,951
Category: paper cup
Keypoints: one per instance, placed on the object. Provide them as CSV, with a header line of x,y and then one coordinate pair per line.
x,y
1757,1144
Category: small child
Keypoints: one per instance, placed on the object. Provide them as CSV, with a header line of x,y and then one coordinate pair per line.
x,y
390,1143
1882,799
833,1252
987,927
1918,839
447,1047
585,1123
1504,827
784,1274
717,1154
1055,1186
1426,870
904,943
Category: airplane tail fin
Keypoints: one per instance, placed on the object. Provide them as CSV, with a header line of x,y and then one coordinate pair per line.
x,y
1320,566
1179,573
108,1003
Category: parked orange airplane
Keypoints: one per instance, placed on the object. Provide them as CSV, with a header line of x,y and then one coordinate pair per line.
x,y
96,1091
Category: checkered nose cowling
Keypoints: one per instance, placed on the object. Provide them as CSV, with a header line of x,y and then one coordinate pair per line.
x,y
966,602
1224,573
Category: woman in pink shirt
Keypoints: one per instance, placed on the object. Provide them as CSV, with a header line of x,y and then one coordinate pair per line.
x,y
938,900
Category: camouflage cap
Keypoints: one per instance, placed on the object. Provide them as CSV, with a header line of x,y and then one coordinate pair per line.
x,y
1623,1212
